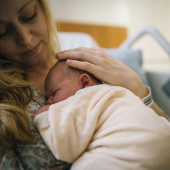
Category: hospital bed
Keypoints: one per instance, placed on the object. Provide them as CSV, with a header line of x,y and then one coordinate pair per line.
x,y
159,81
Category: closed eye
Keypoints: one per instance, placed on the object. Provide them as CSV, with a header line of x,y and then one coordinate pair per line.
x,y
30,18
6,31
55,92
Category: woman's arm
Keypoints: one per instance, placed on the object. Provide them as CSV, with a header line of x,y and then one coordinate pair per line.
x,y
158,110
107,69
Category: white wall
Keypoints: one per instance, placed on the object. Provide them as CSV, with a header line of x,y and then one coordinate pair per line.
x,y
155,13
134,14
106,12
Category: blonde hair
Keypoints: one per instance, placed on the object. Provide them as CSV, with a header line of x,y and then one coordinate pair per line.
x,y
54,44
15,126
16,92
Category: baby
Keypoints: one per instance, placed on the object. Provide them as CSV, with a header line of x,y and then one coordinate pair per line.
x,y
98,126
63,81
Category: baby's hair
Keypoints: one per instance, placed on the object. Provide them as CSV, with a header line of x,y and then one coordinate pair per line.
x,y
15,94
67,71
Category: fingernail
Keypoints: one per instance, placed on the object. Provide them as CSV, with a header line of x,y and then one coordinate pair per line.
x,y
69,61
60,55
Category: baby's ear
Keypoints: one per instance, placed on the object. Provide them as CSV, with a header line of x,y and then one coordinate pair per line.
x,y
85,80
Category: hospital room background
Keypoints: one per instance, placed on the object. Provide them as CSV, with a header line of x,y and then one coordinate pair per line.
x,y
146,46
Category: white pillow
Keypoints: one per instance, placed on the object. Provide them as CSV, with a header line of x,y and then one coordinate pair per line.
x,y
131,58
69,40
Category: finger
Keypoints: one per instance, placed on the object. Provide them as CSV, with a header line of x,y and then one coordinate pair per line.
x,y
93,51
80,49
79,55
86,66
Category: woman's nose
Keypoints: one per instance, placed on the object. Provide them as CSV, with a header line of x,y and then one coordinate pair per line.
x,y
23,36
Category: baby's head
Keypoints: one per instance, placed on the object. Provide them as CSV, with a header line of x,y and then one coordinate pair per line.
x,y
63,81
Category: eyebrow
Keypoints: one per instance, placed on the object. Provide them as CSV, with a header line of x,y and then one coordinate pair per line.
x,y
2,22
24,6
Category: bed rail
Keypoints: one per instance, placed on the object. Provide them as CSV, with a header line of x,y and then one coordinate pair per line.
x,y
151,31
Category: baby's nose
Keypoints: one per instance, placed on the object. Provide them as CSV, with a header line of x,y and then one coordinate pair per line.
x,y
49,100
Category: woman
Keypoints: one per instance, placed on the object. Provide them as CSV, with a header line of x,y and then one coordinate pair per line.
x,y
27,52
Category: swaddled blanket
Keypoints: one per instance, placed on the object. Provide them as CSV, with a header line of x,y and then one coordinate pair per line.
x,y
106,127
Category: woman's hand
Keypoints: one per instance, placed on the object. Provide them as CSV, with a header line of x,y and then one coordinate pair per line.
x,y
104,67
107,69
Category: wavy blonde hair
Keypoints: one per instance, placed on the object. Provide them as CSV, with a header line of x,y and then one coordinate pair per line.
x,y
54,44
16,92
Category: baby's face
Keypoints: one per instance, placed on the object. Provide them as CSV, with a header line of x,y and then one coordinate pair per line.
x,y
60,89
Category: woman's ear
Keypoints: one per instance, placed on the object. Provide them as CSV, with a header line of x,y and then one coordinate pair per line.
x,y
85,80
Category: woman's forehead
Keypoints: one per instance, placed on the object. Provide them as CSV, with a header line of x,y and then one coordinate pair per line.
x,y
12,7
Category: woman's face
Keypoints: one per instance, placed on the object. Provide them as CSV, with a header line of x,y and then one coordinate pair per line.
x,y
23,31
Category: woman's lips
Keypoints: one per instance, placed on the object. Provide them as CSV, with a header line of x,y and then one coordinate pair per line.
x,y
32,51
